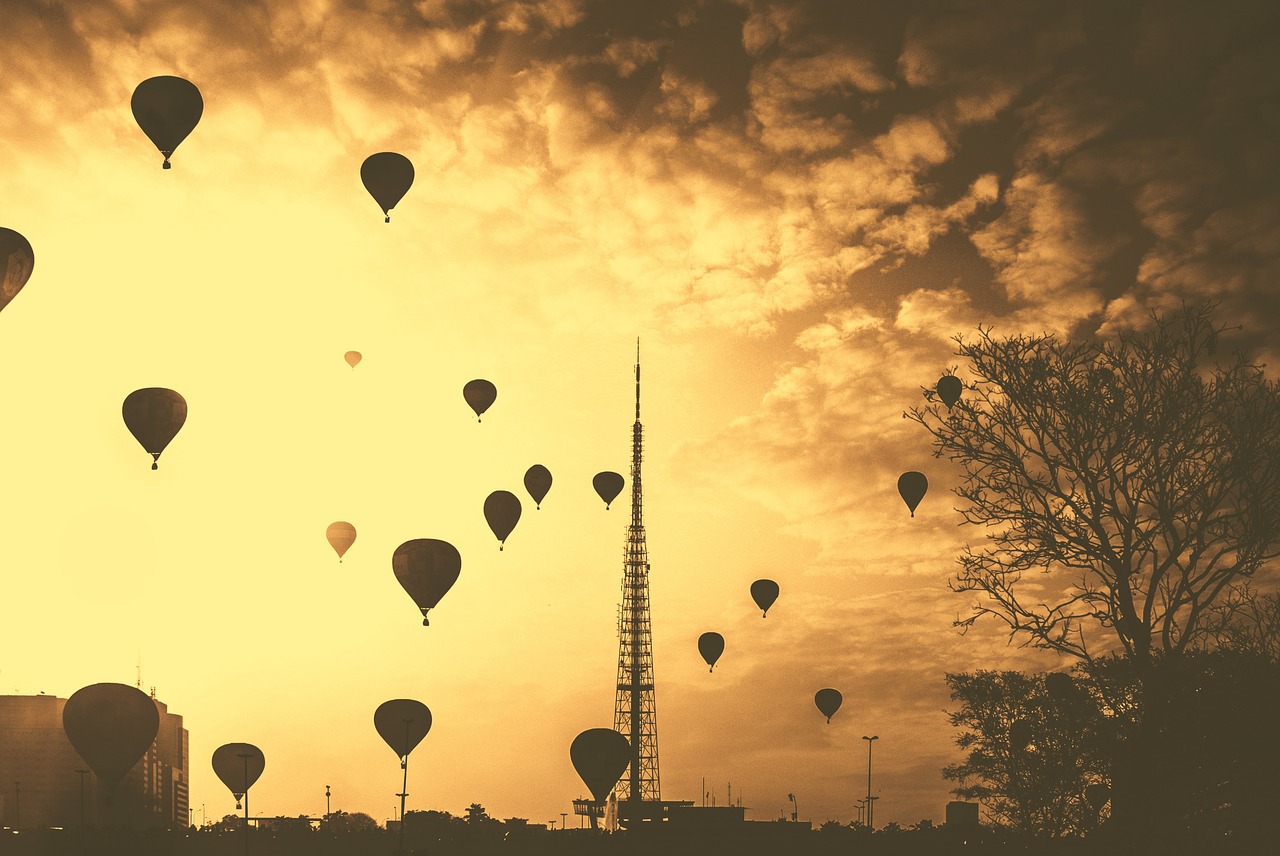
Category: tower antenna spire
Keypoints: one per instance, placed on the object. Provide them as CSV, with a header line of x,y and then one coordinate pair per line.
x,y
637,378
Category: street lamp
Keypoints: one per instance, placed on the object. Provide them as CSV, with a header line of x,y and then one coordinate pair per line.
x,y
795,807
563,816
327,812
870,806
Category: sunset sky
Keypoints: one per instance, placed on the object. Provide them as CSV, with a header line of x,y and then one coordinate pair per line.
x,y
794,206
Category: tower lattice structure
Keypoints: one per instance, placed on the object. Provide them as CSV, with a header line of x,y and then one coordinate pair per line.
x,y
634,712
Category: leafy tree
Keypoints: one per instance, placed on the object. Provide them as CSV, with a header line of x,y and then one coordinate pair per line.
x,y
341,822
1124,485
1034,743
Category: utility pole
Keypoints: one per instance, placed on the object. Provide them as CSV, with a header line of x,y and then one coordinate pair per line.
x,y
870,806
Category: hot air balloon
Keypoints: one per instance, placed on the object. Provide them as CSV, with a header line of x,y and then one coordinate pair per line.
x,y
1097,794
387,176
16,262
828,701
479,394
341,536
608,485
154,415
239,765
502,511
764,593
353,358
949,387
537,480
711,646
1020,734
111,726
167,109
912,487
402,723
1059,685
600,755
427,568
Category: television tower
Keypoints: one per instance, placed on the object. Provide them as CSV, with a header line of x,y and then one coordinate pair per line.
x,y
634,714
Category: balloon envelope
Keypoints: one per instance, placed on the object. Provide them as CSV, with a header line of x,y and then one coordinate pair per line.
x,y
600,755
949,389
608,485
479,394
153,416
353,358
427,568
167,109
537,480
912,487
402,723
764,593
711,646
502,512
238,765
387,176
341,536
111,726
17,260
1097,794
828,701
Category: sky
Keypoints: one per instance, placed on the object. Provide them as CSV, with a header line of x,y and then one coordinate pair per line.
x,y
793,205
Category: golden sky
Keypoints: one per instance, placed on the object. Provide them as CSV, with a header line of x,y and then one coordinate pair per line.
x,y
794,208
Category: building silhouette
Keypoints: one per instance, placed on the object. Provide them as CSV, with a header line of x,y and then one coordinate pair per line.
x,y
46,784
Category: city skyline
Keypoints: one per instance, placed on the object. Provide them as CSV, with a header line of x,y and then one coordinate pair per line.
x,y
793,205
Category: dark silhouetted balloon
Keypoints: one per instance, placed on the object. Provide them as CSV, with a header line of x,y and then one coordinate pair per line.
x,y
238,765
167,109
353,358
764,593
502,512
711,646
608,485
949,388
1059,685
341,536
1097,794
912,487
111,726
1020,734
601,756
387,176
479,395
427,568
17,260
154,415
537,480
828,701
402,723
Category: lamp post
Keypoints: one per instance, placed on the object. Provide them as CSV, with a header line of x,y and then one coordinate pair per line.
x,y
327,812
870,806
795,808
563,816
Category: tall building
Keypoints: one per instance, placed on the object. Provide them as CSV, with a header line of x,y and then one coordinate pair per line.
x,y
45,783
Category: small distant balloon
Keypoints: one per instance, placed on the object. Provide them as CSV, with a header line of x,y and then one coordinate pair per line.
x,y
427,568
537,480
402,723
600,755
912,487
17,260
764,593
479,395
608,485
502,512
111,726
238,766
828,701
353,358
387,176
341,536
711,646
949,388
154,416
1097,794
167,109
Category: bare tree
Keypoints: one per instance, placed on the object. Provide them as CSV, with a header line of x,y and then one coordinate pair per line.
x,y
1124,485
